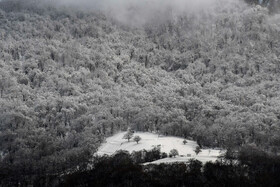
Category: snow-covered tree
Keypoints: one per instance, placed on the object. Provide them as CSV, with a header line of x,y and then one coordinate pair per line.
x,y
137,139
128,135
173,153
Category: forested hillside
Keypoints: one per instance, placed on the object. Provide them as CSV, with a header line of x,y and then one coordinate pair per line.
x,y
69,78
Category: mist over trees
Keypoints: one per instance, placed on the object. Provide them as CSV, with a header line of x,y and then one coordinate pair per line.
x,y
69,78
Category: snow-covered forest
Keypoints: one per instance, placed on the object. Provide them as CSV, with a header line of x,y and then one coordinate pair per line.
x,y
69,77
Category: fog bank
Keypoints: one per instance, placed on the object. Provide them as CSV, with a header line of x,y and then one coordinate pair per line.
x,y
138,12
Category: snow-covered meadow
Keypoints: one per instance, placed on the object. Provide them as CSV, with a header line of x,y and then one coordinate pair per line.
x,y
167,143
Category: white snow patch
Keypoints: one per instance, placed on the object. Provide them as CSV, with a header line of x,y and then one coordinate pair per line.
x,y
150,140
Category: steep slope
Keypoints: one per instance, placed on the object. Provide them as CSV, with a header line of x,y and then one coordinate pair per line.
x,y
69,78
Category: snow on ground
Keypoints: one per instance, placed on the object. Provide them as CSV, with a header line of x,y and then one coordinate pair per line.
x,y
149,140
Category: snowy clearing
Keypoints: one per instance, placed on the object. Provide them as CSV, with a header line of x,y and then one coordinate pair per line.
x,y
150,140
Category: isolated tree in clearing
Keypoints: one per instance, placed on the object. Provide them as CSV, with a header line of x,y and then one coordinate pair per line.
x,y
128,135
173,152
137,139
197,150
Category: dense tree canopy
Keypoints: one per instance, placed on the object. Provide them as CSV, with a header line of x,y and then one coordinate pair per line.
x,y
70,78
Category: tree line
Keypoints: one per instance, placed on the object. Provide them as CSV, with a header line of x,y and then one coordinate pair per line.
x,y
253,168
